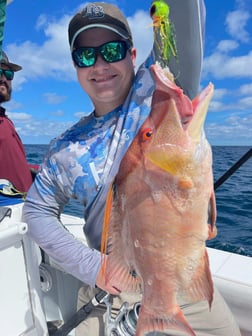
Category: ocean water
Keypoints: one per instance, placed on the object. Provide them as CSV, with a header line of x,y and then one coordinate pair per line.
x,y
233,198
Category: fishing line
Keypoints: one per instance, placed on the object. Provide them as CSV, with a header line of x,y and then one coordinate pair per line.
x,y
230,171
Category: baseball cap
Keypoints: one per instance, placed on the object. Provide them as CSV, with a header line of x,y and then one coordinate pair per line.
x,y
11,66
99,15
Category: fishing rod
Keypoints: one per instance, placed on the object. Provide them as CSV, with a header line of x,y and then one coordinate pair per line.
x,y
124,324
230,171
80,315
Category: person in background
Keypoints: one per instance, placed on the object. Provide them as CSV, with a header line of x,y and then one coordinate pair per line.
x,y
82,162
14,166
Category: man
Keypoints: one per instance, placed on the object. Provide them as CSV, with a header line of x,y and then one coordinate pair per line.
x,y
83,162
14,166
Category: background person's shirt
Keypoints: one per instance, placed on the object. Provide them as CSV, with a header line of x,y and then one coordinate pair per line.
x,y
13,163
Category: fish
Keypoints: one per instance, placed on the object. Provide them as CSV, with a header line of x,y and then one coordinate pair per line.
x,y
161,209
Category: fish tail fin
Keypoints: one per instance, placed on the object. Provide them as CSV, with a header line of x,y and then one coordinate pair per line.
x,y
147,322
105,230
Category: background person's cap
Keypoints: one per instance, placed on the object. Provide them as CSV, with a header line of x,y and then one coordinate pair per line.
x,y
11,66
99,15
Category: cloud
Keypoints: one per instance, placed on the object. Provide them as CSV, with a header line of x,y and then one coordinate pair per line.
x,y
229,101
220,65
245,103
39,128
232,131
226,46
140,24
53,98
79,115
51,59
49,63
231,104
216,106
19,117
58,113
12,105
246,89
220,93
235,24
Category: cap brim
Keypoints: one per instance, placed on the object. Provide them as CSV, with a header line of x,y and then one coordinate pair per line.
x,y
121,33
12,66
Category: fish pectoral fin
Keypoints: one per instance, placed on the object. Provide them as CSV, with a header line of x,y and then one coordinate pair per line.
x,y
212,229
118,272
212,232
148,322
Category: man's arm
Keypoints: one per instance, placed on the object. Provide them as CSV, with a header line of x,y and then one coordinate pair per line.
x,y
41,212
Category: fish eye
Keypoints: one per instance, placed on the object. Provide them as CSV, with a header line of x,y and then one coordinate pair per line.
x,y
147,134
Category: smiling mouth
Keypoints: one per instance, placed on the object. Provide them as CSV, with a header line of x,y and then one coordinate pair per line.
x,y
103,79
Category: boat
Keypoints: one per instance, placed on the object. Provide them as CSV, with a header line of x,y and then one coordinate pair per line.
x,y
38,298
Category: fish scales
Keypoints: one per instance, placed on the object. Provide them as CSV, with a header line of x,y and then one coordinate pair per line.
x,y
159,210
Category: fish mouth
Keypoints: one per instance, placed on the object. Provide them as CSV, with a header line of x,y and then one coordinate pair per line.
x,y
178,124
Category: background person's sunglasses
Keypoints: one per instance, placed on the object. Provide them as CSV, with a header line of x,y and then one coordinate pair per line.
x,y
111,52
9,74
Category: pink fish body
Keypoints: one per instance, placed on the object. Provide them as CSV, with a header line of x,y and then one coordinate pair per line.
x,y
159,215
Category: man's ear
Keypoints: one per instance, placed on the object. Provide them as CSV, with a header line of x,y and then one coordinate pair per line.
x,y
133,56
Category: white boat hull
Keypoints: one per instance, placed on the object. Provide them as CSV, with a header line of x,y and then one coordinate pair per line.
x,y
34,291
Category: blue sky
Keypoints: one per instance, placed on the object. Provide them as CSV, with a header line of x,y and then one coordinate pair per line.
x,y
47,99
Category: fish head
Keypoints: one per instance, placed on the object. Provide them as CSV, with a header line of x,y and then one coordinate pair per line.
x,y
178,140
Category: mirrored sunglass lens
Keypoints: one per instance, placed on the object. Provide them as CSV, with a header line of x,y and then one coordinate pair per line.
x,y
84,57
113,51
9,74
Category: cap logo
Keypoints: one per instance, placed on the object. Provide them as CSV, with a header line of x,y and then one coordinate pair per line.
x,y
92,11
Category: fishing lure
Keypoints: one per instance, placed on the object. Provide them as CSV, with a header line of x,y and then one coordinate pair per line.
x,y
164,31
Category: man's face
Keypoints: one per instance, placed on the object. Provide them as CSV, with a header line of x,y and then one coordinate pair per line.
x,y
5,86
107,84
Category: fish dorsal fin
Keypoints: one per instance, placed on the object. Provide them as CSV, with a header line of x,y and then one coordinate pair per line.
x,y
200,104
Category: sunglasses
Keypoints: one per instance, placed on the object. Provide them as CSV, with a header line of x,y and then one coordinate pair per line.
x,y
110,52
9,74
